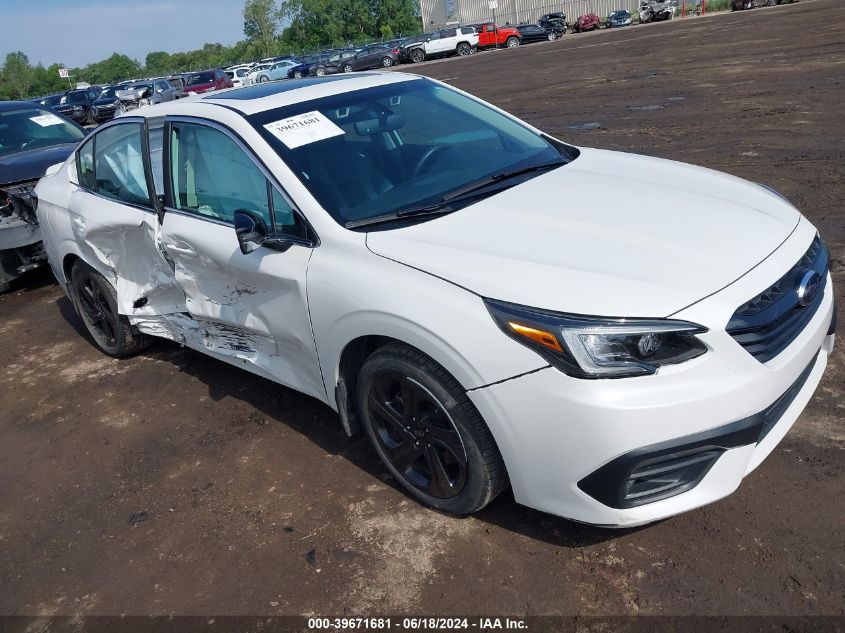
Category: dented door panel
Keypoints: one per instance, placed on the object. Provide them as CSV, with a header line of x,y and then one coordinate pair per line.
x,y
119,240
252,308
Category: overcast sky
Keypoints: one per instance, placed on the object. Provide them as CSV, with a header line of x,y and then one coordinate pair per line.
x,y
77,32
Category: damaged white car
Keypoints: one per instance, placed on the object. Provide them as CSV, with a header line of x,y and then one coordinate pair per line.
x,y
404,253
32,138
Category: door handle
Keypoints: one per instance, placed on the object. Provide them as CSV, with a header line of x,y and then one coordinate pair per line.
x,y
183,249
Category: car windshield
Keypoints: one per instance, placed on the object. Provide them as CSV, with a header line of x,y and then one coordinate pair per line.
x,y
51,101
29,128
72,98
201,78
396,147
109,92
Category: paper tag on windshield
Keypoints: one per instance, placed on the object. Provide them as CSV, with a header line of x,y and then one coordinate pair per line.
x,y
303,129
46,120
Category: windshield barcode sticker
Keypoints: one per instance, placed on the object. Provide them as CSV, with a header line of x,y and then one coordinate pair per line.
x,y
46,120
303,129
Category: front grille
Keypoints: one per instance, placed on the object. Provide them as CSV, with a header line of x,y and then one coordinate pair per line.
x,y
769,322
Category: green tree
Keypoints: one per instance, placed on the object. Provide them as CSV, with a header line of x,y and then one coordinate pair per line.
x,y
116,68
17,75
157,63
261,22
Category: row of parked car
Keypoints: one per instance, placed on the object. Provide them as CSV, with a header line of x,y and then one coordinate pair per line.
x,y
95,104
458,40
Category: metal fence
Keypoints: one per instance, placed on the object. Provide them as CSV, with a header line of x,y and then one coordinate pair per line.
x,y
441,13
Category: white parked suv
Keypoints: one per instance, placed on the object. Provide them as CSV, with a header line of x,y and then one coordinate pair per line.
x,y
401,251
456,41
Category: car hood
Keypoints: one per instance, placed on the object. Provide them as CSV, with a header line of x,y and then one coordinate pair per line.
x,y
609,234
104,101
32,164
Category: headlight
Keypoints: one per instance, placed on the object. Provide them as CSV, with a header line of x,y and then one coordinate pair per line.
x,y
593,347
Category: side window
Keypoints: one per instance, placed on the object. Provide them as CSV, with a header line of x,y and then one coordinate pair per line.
x,y
449,33
470,30
287,222
435,36
119,164
212,176
85,165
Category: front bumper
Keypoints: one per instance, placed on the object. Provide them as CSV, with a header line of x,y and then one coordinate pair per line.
x,y
556,432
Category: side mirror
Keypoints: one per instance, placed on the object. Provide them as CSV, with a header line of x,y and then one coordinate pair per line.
x,y
252,235
250,231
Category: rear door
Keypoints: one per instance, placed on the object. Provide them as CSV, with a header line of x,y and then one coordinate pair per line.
x,y
114,221
251,309
448,41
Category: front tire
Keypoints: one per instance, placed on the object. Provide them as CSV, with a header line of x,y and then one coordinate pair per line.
x,y
512,42
427,432
263,79
552,36
95,300
417,55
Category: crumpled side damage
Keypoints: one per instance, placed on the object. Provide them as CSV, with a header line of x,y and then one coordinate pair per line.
x,y
148,293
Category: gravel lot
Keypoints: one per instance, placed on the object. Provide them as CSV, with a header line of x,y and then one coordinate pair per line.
x,y
173,484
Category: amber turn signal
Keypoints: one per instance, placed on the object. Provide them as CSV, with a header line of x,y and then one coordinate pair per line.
x,y
546,339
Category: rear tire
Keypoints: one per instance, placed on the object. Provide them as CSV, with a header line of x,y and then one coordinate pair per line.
x,y
95,300
427,432
464,49
552,36
320,72
347,68
387,62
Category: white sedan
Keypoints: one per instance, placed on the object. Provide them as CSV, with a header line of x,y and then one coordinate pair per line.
x,y
403,252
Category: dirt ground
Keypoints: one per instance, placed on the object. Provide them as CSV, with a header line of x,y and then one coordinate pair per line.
x,y
174,484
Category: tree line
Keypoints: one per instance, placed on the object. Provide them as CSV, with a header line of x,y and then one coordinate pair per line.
x,y
271,28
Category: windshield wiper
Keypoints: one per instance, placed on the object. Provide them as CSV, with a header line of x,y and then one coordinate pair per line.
x,y
442,207
431,209
497,178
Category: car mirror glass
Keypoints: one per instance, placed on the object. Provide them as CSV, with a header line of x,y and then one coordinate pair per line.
x,y
250,231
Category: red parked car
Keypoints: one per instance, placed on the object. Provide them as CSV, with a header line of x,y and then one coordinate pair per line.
x,y
490,34
207,80
588,22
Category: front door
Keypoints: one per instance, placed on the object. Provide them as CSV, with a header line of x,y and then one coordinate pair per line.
x,y
250,309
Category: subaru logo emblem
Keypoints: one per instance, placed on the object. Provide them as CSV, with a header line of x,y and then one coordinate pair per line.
x,y
808,287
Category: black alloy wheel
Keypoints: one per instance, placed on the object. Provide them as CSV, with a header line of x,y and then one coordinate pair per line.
x,y
464,49
95,300
417,55
427,431
417,435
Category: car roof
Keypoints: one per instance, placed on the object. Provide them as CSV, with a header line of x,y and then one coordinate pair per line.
x,y
268,96
13,105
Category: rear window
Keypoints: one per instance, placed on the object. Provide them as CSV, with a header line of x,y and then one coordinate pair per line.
x,y
201,78
468,30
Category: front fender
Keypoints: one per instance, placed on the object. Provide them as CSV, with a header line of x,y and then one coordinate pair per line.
x,y
353,292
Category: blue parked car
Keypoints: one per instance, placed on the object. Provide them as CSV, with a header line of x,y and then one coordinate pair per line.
x,y
619,18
